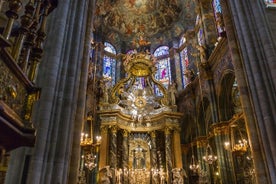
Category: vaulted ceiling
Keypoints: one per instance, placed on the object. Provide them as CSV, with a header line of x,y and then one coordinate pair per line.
x,y
158,21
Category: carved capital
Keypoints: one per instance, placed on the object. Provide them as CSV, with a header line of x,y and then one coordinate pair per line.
x,y
153,134
125,133
167,130
104,129
114,129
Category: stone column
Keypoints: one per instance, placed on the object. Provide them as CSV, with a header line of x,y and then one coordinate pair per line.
x,y
59,75
19,158
75,156
213,96
103,155
177,148
201,144
168,152
125,156
253,56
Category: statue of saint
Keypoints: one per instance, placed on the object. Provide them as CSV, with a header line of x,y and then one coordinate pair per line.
x,y
104,84
172,93
119,176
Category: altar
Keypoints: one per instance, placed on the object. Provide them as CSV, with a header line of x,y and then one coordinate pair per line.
x,y
140,131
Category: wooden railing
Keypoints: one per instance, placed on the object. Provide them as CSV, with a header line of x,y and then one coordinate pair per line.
x,y
21,49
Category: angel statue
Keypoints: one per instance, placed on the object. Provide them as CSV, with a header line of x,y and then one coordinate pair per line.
x,y
105,175
178,175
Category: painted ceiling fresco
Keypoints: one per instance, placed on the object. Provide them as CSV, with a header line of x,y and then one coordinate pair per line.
x,y
154,20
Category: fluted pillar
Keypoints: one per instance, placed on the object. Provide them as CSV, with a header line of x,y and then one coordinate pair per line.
x,y
213,102
225,161
168,152
59,76
75,158
201,143
253,56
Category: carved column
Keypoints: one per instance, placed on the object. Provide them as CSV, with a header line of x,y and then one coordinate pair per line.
x,y
12,14
113,151
26,21
104,147
168,152
113,147
177,149
125,154
154,163
37,50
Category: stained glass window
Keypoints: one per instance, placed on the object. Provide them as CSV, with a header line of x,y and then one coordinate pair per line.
x,y
200,37
197,19
270,3
216,5
184,65
218,15
184,61
163,73
109,63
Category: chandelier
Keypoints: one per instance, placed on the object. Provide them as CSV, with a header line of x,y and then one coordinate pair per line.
x,y
238,144
90,150
194,166
90,161
209,158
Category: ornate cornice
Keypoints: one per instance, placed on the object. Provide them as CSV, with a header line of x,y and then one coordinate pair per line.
x,y
220,128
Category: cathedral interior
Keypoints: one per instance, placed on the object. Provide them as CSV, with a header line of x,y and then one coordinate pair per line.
x,y
137,91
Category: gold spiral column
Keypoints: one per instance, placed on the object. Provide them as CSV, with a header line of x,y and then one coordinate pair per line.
x,y
125,156
113,151
153,150
168,151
